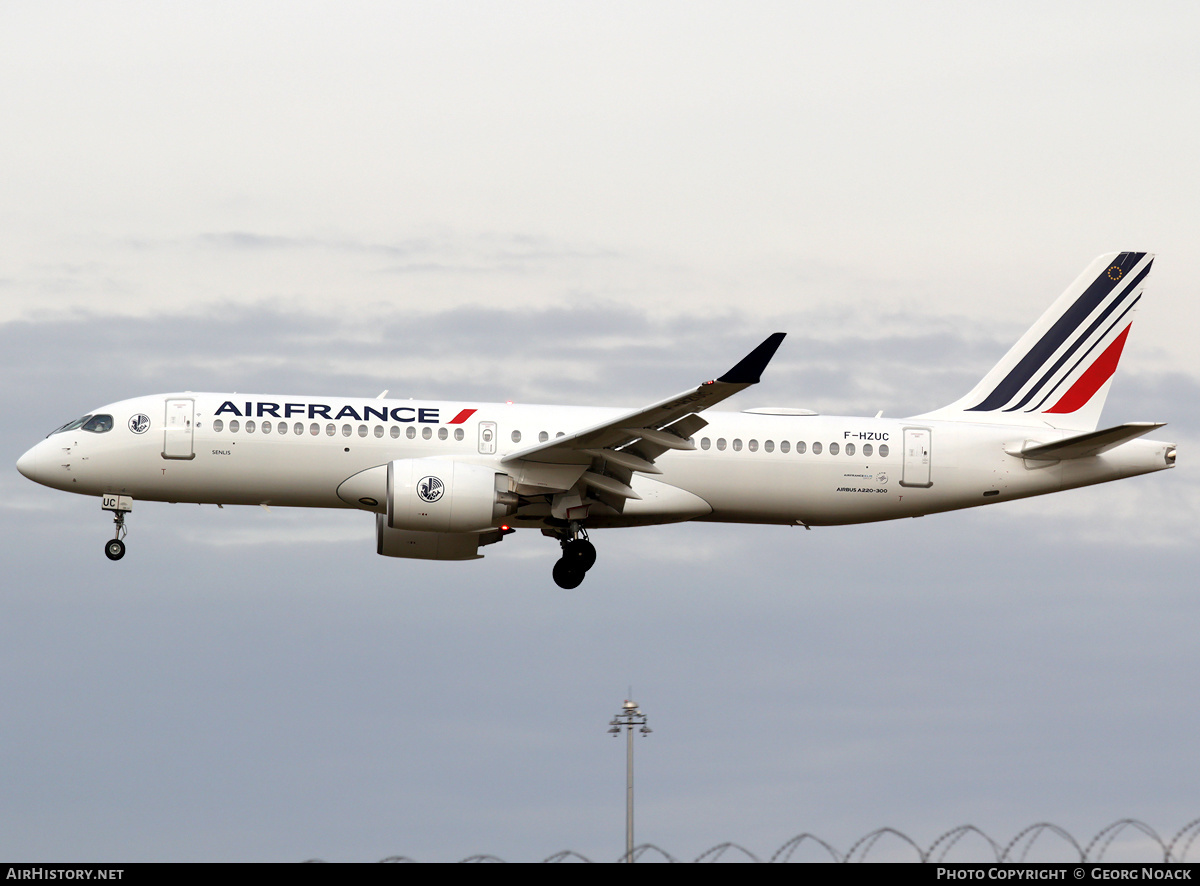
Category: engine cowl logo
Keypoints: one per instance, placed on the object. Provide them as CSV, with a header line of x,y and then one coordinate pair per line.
x,y
430,489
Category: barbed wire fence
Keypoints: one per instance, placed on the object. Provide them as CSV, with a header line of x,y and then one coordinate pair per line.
x,y
1177,850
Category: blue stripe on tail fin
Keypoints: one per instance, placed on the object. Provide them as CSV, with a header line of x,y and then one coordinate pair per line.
x,y
1058,373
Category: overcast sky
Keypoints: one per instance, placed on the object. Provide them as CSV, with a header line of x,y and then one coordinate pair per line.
x,y
596,203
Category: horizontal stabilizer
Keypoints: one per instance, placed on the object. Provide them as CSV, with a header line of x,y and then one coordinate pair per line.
x,y
1092,443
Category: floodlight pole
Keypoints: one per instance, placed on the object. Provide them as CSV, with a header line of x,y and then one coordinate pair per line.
x,y
629,717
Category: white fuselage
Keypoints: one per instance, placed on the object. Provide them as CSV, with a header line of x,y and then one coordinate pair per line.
x,y
747,467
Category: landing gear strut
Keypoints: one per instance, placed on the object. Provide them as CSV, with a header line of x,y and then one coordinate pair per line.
x,y
119,505
578,556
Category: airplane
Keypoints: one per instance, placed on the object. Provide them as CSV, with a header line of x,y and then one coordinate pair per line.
x,y
444,479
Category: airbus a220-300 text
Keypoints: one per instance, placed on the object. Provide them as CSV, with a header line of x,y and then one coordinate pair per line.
x,y
443,480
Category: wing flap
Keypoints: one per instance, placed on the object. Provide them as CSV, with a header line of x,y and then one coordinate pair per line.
x,y
626,459
609,484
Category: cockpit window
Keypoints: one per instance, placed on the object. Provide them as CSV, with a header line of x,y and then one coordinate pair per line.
x,y
98,424
70,426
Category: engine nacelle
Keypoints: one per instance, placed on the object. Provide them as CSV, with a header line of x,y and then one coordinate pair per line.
x,y
442,495
433,545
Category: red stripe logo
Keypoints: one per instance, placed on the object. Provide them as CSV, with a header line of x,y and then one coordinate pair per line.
x,y
461,417
1093,379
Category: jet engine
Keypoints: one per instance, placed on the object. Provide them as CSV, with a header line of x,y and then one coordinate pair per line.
x,y
442,495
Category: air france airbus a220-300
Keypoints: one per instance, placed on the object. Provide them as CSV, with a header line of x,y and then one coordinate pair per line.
x,y
445,479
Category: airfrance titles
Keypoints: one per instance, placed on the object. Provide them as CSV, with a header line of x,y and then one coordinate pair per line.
x,y
364,412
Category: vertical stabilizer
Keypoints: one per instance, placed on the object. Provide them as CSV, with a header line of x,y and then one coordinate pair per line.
x,y
1059,373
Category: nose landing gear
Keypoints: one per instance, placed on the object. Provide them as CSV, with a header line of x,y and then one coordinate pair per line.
x,y
114,549
119,505
578,556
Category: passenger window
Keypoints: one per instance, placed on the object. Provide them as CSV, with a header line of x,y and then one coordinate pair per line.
x,y
282,427
543,436
458,433
218,425
785,446
560,434
737,444
721,443
753,445
883,450
362,430
769,446
443,433
234,426
346,430
395,432
330,430
816,449
250,427
426,433
833,449
705,443
266,427
801,448
298,428
378,430
410,432
516,436
849,449
867,450
314,429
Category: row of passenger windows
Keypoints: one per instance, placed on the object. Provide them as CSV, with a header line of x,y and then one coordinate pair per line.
x,y
331,430
801,447
543,436
249,426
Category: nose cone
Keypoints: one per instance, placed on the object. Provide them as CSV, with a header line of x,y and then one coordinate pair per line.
x,y
27,464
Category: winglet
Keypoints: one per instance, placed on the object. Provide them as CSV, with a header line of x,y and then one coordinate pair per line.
x,y
749,371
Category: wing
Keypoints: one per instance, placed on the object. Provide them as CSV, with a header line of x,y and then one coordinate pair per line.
x,y
608,454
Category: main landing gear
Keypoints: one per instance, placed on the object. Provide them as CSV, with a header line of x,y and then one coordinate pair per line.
x,y
578,556
119,505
